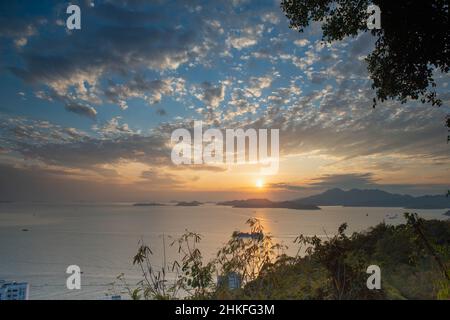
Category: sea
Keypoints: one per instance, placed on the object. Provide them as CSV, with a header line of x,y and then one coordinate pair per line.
x,y
38,241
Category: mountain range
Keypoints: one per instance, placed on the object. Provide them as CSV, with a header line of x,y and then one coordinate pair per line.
x,y
375,198
350,198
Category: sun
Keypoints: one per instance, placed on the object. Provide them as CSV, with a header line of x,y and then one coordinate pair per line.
x,y
259,183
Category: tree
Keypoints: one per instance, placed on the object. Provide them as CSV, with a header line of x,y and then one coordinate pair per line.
x,y
413,42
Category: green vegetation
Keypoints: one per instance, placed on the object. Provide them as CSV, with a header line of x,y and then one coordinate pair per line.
x,y
414,259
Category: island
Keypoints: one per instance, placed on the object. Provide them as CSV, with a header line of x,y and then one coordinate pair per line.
x,y
148,204
265,203
189,204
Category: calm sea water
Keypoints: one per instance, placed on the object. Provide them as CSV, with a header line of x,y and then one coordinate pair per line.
x,y
102,238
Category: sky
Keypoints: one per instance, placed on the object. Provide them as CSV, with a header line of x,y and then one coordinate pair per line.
x,y
87,115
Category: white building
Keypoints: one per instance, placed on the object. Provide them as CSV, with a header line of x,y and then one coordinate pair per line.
x,y
232,280
14,290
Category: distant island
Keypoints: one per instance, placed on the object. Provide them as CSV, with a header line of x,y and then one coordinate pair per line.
x,y
189,204
265,203
375,198
179,204
148,204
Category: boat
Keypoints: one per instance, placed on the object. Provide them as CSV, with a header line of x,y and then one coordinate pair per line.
x,y
249,235
392,216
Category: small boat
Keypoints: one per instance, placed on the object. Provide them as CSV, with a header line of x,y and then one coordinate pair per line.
x,y
249,235
392,216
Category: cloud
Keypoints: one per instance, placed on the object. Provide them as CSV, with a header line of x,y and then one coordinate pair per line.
x,y
271,17
337,119
139,87
287,186
69,147
19,131
40,184
152,150
245,37
113,127
82,110
346,181
211,95
127,42
161,112
114,143
17,27
329,181
240,104
257,84
285,95
301,42
127,11
199,167
160,179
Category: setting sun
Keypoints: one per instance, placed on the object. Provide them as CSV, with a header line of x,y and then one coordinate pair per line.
x,y
260,183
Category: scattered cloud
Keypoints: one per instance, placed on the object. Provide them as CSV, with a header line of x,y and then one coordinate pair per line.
x,y
211,95
245,38
301,42
257,84
82,110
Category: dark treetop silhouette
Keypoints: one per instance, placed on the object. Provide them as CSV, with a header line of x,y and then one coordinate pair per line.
x,y
414,40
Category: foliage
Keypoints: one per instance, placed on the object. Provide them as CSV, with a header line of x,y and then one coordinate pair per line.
x,y
247,256
414,258
190,277
154,283
194,277
344,263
